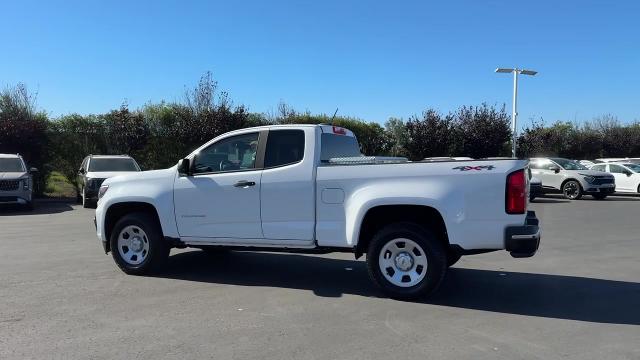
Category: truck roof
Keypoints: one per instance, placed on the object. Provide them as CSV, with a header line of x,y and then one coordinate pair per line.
x,y
325,128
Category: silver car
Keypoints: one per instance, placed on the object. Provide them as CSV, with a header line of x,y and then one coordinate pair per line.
x,y
571,178
16,181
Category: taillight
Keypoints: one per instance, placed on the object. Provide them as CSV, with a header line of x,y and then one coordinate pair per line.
x,y
516,201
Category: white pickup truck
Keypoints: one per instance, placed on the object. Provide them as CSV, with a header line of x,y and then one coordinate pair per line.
x,y
307,188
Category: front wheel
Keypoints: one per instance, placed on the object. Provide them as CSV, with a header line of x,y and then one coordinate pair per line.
x,y
406,261
572,190
137,245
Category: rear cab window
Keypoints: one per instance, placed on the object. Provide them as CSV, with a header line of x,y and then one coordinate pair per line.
x,y
337,142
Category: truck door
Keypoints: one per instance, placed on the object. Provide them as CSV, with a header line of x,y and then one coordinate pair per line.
x,y
222,197
288,185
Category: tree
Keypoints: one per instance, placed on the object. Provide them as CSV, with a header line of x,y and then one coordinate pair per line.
x,y
23,130
126,131
397,136
429,136
481,131
72,138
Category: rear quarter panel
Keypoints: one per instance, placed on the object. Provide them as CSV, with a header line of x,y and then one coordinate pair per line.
x,y
470,200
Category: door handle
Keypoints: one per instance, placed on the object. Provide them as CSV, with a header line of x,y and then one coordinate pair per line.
x,y
244,183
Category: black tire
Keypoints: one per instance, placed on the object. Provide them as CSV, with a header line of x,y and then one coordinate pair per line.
x,y
599,196
29,206
572,190
158,248
434,251
532,197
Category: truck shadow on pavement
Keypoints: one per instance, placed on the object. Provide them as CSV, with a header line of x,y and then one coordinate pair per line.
x,y
543,295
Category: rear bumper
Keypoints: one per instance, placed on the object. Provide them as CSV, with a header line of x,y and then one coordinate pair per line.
x,y
523,240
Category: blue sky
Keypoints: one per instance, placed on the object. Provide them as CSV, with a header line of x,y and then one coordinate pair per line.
x,y
370,59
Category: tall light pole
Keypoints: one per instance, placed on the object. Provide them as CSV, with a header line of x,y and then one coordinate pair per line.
x,y
514,114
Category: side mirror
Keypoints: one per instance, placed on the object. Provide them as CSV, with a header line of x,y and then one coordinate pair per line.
x,y
628,173
33,170
81,171
555,169
184,167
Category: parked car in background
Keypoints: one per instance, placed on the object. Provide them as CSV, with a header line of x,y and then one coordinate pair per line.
x,y
586,163
626,160
627,175
97,168
571,179
307,188
16,181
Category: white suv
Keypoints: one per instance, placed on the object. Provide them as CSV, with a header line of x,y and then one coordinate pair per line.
x,y
627,175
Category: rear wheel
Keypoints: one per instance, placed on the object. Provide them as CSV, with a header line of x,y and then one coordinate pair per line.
x,y
572,190
406,260
137,245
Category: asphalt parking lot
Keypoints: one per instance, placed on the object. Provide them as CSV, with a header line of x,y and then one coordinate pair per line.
x,y
578,298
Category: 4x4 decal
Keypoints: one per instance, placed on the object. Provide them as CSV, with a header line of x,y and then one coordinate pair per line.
x,y
478,168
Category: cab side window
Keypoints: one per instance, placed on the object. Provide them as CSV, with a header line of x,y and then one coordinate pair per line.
x,y
284,147
598,167
236,153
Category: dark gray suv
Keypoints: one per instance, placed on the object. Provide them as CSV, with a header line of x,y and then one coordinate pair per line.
x,y
97,168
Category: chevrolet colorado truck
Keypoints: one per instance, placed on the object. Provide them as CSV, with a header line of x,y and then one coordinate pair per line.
x,y
308,189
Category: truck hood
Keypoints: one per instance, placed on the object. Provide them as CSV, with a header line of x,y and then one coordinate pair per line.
x,y
13,175
141,175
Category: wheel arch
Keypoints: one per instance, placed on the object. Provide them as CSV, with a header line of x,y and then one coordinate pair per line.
x,y
379,216
116,211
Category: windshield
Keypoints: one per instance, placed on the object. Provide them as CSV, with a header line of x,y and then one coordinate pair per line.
x,y
336,146
569,164
124,164
11,165
633,167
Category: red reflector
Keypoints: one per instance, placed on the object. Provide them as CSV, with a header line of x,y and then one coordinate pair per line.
x,y
340,131
516,201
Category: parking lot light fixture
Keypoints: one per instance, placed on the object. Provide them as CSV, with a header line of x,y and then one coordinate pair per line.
x,y
514,114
